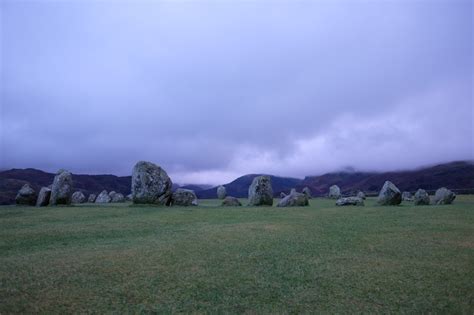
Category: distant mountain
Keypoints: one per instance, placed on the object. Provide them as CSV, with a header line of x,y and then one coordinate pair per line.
x,y
458,176
240,186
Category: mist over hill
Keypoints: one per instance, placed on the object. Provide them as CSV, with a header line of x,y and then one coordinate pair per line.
x,y
458,176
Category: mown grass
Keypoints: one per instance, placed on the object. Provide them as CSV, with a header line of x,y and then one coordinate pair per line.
x,y
209,259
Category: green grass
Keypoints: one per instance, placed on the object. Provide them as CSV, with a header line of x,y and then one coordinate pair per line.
x,y
208,259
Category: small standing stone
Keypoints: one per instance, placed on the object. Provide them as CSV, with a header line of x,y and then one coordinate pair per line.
x,y
103,197
43,197
444,196
184,197
307,192
350,201
230,201
221,192
26,196
334,192
78,197
421,198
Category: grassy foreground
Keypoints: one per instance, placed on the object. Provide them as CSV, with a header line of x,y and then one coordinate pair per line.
x,y
208,259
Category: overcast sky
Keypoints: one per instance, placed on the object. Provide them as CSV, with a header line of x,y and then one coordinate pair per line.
x,y
214,90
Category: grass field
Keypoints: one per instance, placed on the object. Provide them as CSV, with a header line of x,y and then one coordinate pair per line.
x,y
208,259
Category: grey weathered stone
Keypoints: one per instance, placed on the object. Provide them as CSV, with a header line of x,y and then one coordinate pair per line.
x,y
389,195
261,192
350,201
221,192
421,198
117,197
150,184
26,196
103,197
293,191
282,195
230,201
294,199
78,197
184,197
43,197
407,196
91,198
307,192
334,192
61,190
444,196
128,197
361,195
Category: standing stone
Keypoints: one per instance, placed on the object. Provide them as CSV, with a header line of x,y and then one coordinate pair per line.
x,y
117,197
334,192
150,184
103,197
78,197
294,199
361,195
261,192
407,196
421,198
350,201
293,191
390,195
231,202
307,192
444,196
26,196
91,198
61,191
43,197
221,192
184,197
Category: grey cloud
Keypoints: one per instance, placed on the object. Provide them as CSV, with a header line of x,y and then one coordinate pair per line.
x,y
95,86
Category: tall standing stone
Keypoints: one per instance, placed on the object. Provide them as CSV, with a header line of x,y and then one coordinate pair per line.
x,y
221,192
261,192
150,184
390,195
334,192
43,197
26,196
61,190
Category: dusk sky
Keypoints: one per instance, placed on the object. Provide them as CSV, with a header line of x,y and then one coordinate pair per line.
x,y
214,90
